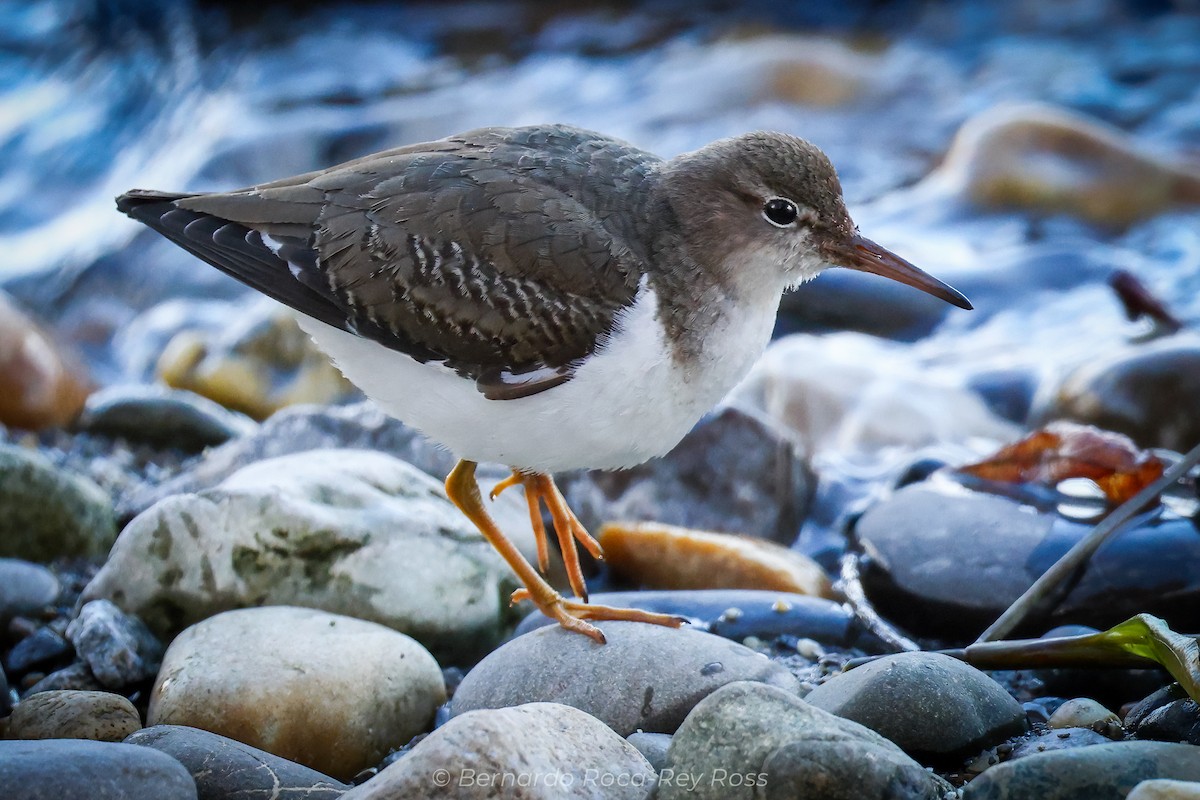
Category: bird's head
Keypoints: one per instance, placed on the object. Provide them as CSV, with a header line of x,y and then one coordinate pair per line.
x,y
773,202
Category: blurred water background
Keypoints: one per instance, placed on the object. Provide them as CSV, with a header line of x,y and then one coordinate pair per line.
x,y
98,96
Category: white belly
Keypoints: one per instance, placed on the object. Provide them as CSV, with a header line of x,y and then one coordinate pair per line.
x,y
628,403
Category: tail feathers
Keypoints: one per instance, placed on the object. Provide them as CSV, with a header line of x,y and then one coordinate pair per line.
x,y
235,249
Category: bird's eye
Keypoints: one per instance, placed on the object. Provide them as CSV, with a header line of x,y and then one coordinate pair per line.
x,y
780,212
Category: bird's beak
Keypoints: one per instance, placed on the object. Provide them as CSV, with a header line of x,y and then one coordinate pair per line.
x,y
862,254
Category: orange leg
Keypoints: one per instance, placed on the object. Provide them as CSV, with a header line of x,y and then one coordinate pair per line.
x,y
463,489
539,489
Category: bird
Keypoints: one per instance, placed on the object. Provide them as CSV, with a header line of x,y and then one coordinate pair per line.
x,y
544,297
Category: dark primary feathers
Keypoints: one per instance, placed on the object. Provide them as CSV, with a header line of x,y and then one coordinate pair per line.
x,y
497,252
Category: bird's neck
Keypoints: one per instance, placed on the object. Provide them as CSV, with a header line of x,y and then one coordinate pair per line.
x,y
700,299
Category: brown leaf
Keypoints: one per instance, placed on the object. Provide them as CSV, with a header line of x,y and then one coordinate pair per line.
x,y
1064,450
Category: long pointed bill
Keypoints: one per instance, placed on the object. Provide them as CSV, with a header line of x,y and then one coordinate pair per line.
x,y
862,254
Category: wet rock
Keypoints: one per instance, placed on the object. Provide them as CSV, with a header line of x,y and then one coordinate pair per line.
x,y
348,531
55,769
330,692
1161,697
652,746
945,561
933,706
1104,772
43,386
25,588
848,392
226,768
1081,712
1061,739
77,676
667,557
46,513
1165,790
43,648
554,751
739,613
749,740
66,714
696,486
646,678
259,365
1148,393
1051,160
161,417
119,649
1177,720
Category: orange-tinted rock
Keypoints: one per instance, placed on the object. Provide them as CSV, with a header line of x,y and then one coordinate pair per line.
x,y
40,385
666,557
265,367
1048,159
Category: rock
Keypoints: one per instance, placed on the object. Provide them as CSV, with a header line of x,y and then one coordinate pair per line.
x,y
533,752
330,692
946,562
1158,699
42,649
225,768
259,365
66,714
55,769
1047,159
646,678
750,740
161,417
652,746
25,588
43,386
118,648
696,485
739,613
1081,712
847,392
77,676
46,513
347,531
5,696
1165,790
933,706
300,429
1146,392
1103,772
666,557
1062,739
1175,721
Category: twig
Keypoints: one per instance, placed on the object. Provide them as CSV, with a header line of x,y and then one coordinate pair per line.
x,y
1083,550
851,586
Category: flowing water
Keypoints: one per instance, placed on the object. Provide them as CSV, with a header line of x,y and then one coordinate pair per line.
x,y
98,97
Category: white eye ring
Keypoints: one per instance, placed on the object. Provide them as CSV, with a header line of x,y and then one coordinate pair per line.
x,y
781,212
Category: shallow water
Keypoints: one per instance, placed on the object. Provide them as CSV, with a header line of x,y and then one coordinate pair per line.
x,y
99,97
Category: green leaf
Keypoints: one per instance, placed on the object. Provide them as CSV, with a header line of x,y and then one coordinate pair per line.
x,y
1142,641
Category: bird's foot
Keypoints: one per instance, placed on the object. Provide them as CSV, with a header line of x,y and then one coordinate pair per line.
x,y
573,615
540,489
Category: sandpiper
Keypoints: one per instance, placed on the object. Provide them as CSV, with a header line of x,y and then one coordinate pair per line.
x,y
544,297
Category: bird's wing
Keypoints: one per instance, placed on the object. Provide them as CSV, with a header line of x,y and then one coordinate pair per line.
x,y
505,254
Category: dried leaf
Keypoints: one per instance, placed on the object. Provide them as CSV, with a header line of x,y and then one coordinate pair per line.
x,y
1142,641
1064,450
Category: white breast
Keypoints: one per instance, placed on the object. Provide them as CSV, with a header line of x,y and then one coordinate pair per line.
x,y
626,404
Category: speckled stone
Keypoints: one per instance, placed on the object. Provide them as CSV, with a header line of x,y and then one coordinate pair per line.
x,y
330,692
68,714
